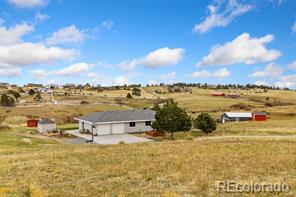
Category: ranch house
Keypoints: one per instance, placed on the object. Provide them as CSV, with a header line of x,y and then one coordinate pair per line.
x,y
117,122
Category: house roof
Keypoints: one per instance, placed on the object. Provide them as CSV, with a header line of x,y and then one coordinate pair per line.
x,y
46,121
119,116
260,113
239,114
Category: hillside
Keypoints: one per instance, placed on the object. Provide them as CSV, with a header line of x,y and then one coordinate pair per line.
x,y
46,168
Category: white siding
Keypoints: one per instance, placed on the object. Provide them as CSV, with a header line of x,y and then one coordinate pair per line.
x,y
103,129
117,128
43,128
140,127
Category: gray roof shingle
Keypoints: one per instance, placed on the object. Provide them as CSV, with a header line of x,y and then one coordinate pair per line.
x,y
45,121
119,116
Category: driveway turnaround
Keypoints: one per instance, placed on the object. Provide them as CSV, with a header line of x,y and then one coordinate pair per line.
x,y
110,139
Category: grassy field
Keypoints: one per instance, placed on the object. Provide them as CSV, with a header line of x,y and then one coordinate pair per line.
x,y
279,104
36,165
40,167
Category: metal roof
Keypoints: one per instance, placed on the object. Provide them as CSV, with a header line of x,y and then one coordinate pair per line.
x,y
119,116
260,113
239,114
46,121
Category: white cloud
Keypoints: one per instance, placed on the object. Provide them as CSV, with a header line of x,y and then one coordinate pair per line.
x,y
75,69
107,24
10,72
271,70
294,27
288,81
243,49
259,83
221,73
285,84
39,73
39,17
163,56
68,34
221,13
29,53
12,35
168,78
120,80
292,65
160,57
28,3
16,53
152,82
129,65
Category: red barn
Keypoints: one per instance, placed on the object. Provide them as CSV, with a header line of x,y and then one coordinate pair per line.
x,y
218,94
259,116
32,123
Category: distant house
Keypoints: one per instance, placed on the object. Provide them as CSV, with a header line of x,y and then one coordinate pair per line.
x,y
259,116
69,85
35,85
46,125
233,95
52,86
4,85
117,122
218,94
236,116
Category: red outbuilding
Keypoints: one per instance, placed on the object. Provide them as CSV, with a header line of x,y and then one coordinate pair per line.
x,y
259,116
218,94
32,123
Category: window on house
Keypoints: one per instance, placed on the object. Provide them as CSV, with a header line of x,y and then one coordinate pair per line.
x,y
132,124
148,123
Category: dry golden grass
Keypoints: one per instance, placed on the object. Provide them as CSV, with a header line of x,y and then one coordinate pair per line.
x,y
181,167
59,112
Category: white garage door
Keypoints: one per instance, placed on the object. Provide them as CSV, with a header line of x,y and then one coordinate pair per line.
x,y
104,129
117,128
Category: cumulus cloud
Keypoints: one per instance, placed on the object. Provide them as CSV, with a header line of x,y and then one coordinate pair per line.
x,y
12,35
292,65
168,78
120,80
108,24
243,49
28,3
160,57
271,70
10,72
259,83
163,56
288,81
70,34
29,53
75,69
15,53
221,14
221,73
39,17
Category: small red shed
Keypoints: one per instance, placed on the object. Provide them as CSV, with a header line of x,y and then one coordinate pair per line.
x,y
218,94
259,116
32,123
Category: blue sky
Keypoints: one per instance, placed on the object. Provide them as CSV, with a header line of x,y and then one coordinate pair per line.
x,y
111,42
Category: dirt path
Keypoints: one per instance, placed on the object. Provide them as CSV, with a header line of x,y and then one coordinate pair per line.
x,y
257,137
